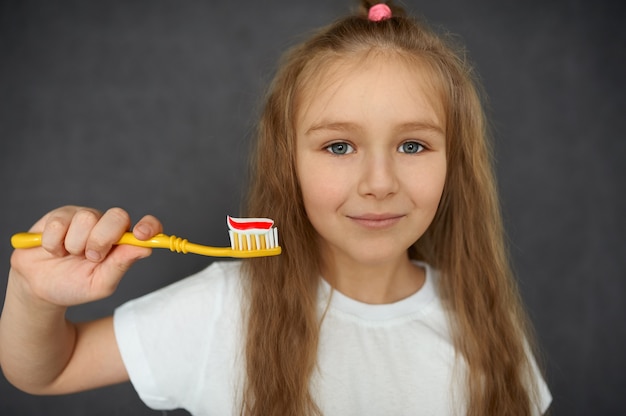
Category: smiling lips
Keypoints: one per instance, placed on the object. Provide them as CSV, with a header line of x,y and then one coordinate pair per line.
x,y
375,221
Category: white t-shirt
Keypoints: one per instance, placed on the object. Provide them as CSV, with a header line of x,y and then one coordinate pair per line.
x,y
182,347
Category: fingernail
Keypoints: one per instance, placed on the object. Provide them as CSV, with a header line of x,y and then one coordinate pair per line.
x,y
92,255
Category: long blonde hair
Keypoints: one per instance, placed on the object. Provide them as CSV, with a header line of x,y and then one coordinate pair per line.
x,y
465,241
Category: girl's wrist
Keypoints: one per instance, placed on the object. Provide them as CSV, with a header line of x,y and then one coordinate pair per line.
x,y
21,290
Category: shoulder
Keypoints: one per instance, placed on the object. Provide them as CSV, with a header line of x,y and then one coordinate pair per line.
x,y
217,276
165,336
217,273
205,292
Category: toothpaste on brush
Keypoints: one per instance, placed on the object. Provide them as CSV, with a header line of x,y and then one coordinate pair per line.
x,y
252,233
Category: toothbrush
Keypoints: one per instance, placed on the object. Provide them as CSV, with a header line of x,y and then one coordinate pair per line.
x,y
249,237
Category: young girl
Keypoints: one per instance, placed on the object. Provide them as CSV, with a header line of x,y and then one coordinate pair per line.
x,y
392,296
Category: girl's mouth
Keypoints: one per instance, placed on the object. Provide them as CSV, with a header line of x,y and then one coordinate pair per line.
x,y
376,221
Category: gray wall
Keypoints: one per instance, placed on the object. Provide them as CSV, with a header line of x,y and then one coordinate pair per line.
x,y
150,105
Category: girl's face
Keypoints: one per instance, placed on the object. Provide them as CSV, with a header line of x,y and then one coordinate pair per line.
x,y
371,157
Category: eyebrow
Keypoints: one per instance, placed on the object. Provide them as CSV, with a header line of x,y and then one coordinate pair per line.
x,y
332,126
348,126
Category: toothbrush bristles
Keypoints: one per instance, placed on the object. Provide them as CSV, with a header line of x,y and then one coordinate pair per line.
x,y
252,234
243,241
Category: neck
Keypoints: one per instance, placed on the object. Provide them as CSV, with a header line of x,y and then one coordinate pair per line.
x,y
379,283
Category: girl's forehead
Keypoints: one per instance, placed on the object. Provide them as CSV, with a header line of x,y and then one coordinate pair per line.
x,y
327,76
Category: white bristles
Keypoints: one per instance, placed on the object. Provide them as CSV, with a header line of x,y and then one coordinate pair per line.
x,y
253,239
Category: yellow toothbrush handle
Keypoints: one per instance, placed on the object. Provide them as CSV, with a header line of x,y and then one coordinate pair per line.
x,y
26,240
182,245
173,243
30,240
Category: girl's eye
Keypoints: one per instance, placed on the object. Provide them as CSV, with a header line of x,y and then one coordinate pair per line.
x,y
340,148
410,147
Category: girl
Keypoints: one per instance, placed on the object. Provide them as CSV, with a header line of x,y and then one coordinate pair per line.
x,y
393,294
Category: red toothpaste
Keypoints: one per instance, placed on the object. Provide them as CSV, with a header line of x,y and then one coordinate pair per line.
x,y
249,224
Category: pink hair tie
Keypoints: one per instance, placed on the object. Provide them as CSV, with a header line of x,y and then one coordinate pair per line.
x,y
379,12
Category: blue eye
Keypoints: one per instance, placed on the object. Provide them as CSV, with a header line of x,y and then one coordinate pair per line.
x,y
340,148
410,147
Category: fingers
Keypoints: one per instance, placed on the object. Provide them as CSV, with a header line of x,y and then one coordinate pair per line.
x,y
106,232
81,231
147,227
57,224
82,223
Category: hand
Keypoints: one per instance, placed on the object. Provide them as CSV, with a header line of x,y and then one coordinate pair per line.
x,y
78,261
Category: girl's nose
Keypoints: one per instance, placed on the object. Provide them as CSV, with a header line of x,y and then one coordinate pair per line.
x,y
378,177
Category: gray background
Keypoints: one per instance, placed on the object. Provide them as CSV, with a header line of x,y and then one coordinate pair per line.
x,y
149,105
